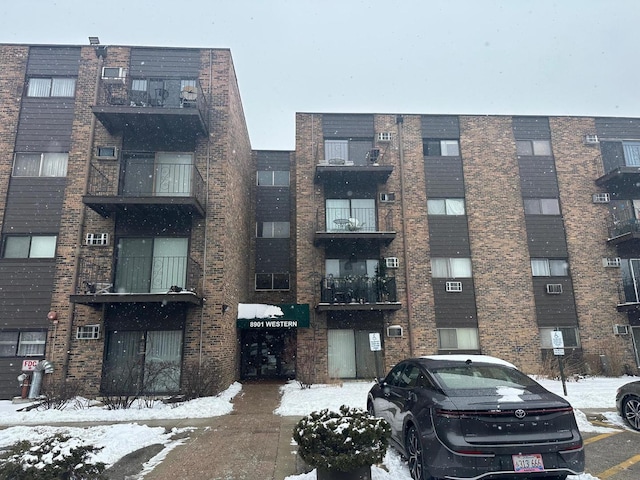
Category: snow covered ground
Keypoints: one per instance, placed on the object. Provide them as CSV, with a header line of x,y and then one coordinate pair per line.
x,y
122,438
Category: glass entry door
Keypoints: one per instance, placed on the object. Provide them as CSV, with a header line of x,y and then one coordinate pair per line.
x,y
268,354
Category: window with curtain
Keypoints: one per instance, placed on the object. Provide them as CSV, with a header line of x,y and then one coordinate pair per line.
x,y
631,153
272,281
273,230
445,206
276,178
29,246
570,336
40,164
533,147
541,206
544,267
451,268
31,344
51,87
458,339
441,148
8,344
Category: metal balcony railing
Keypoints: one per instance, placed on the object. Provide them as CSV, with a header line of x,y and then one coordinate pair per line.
x,y
155,93
353,220
358,289
136,274
141,179
619,227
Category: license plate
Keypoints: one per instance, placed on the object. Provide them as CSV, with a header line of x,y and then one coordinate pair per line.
x,y
528,463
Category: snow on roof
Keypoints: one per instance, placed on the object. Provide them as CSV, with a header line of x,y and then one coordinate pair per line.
x,y
473,358
258,310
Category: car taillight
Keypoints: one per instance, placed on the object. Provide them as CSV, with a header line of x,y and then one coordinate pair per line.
x,y
440,412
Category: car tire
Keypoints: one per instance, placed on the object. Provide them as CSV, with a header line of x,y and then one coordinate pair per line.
x,y
370,409
415,455
631,411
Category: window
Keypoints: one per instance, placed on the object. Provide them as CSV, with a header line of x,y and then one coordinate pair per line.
x,y
533,147
441,148
544,267
22,344
51,87
451,267
541,206
30,246
272,281
446,206
570,336
40,164
273,230
458,339
273,178
631,153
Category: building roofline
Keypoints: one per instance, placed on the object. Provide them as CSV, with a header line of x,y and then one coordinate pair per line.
x,y
435,114
10,44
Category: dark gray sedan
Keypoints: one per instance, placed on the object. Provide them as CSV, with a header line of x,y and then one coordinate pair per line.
x,y
628,403
476,417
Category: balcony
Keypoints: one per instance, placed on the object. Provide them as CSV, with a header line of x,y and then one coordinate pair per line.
x,y
358,293
346,227
623,231
164,106
628,295
138,279
619,168
143,187
368,170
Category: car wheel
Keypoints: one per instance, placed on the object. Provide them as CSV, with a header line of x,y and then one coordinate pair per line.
x,y
413,447
370,409
631,411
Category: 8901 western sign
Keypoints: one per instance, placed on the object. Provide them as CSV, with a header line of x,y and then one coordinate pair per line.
x,y
273,324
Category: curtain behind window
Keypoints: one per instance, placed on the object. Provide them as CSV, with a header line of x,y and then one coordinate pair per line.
x,y
63,87
39,87
54,165
31,343
162,361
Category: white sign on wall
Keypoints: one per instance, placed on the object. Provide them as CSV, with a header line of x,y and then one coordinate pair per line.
x,y
374,342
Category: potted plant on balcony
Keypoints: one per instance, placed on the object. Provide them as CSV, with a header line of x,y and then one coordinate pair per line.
x,y
342,445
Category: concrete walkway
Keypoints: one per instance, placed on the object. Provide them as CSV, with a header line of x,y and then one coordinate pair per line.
x,y
250,443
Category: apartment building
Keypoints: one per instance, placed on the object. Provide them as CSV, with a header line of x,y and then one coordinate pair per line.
x,y
467,234
143,239
124,216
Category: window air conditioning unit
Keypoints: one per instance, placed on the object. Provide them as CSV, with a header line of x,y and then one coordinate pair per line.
x,y
591,139
88,332
93,239
107,153
387,197
621,329
554,288
394,331
384,136
114,74
453,286
391,262
601,198
611,262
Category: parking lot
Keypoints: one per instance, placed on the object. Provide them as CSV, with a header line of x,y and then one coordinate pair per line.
x,y
613,456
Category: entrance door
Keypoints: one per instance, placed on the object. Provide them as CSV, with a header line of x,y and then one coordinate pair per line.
x,y
350,354
268,354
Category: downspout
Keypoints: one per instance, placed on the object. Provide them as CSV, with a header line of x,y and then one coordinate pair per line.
x,y
206,201
76,266
399,123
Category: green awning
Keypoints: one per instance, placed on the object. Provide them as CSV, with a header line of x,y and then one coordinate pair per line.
x,y
294,316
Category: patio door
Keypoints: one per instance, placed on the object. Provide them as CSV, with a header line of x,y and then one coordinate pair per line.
x,y
173,174
169,266
342,354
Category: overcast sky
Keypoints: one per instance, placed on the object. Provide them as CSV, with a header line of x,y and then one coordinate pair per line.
x,y
546,57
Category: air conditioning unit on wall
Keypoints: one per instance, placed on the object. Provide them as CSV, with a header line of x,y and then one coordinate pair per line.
x,y
394,331
621,329
391,262
114,74
384,136
591,139
88,332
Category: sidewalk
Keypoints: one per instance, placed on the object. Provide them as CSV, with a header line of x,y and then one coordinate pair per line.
x,y
250,443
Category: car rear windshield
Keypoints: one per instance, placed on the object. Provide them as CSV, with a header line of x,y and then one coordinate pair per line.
x,y
455,380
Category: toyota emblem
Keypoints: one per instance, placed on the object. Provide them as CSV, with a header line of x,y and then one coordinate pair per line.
x,y
520,413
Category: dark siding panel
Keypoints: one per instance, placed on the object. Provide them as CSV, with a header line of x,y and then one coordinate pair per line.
x,y
546,236
156,140
159,224
612,155
440,126
531,128
165,62
34,205
273,204
272,255
139,316
45,125
554,310
449,236
454,309
347,126
10,368
273,160
53,61
25,292
444,177
622,128
538,177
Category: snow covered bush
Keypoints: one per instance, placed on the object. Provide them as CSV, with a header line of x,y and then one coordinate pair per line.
x,y
343,441
56,458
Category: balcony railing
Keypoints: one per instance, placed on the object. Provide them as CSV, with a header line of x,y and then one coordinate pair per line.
x,y
620,227
358,290
140,179
352,220
137,275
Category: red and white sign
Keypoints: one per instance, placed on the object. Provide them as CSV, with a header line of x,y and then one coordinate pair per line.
x,y
29,365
